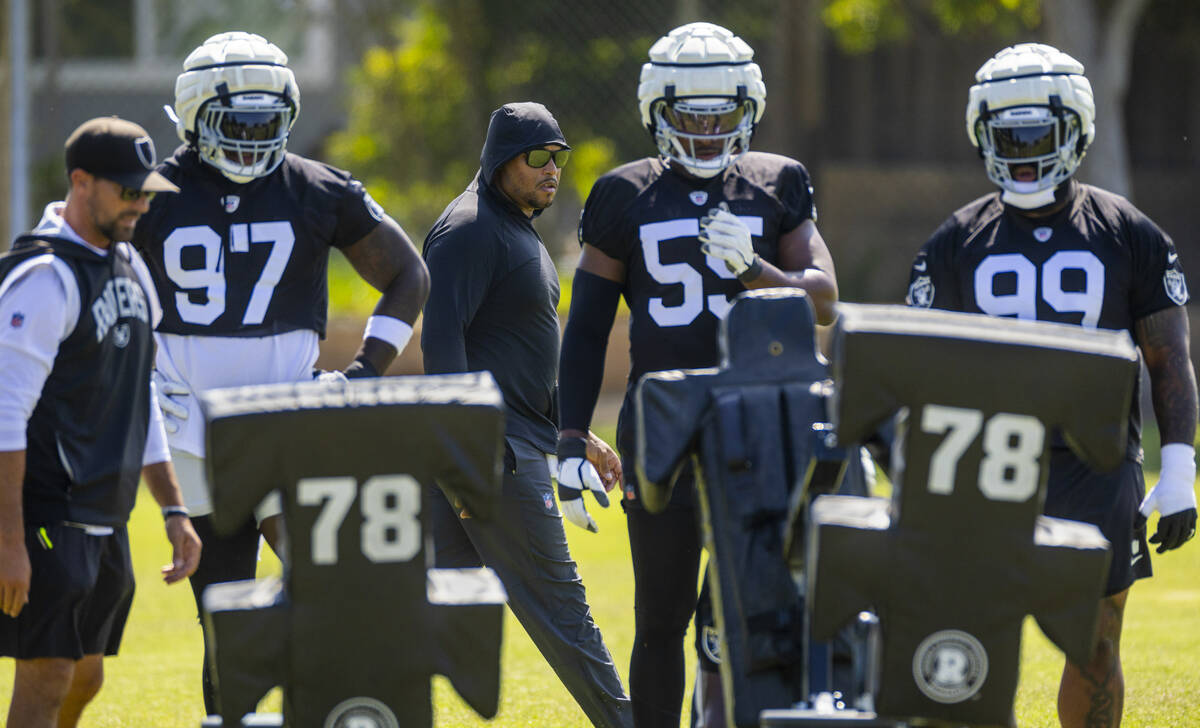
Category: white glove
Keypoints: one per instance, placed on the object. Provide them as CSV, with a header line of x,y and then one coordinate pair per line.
x,y
724,236
575,475
174,398
329,377
1174,498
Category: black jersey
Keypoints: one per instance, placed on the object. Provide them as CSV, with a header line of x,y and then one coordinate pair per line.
x,y
648,218
249,259
1098,263
87,435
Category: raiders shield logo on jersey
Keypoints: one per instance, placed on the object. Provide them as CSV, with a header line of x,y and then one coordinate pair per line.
x,y
1176,286
920,293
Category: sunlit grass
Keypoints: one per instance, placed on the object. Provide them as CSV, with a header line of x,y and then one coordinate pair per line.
x,y
155,681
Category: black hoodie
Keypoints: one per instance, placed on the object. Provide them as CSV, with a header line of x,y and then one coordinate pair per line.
x,y
494,289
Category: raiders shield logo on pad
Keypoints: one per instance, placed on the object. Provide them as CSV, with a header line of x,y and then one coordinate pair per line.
x,y
950,666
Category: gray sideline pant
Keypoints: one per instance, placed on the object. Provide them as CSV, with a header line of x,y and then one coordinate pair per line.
x,y
525,545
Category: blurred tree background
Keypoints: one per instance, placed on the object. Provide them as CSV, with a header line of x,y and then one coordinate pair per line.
x,y
869,94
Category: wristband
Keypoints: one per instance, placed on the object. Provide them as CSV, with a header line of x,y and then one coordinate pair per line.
x,y
168,511
1178,462
389,329
572,447
754,271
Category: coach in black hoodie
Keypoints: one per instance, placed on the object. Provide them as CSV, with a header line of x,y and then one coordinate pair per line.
x,y
492,306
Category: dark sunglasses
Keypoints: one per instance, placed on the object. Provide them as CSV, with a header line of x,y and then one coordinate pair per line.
x,y
132,195
538,158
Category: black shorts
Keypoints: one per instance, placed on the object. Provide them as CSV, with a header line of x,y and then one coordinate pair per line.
x,y
1110,502
79,597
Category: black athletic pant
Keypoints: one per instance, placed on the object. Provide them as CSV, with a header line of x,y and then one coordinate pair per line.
x,y
222,559
525,545
666,559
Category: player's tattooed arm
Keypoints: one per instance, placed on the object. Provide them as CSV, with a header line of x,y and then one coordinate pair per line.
x,y
1164,339
804,262
387,259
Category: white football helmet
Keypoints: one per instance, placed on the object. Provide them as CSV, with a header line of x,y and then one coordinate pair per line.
x,y
235,102
1031,106
701,95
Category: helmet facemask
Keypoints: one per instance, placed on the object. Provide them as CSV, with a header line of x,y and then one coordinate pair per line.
x,y
1029,150
244,135
703,135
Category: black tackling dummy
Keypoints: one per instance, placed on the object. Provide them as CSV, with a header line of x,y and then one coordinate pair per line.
x,y
961,554
750,426
360,622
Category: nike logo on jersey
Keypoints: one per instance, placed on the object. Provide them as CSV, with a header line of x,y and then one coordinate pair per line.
x,y
920,266
1136,558
1172,257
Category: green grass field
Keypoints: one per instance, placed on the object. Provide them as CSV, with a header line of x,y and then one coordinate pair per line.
x,y
155,680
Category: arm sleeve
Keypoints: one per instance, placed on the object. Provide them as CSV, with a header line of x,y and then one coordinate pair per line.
x,y
581,362
34,320
156,450
460,275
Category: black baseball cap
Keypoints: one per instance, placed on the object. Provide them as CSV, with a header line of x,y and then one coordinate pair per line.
x,y
117,150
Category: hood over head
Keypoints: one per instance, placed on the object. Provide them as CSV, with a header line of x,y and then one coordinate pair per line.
x,y
515,128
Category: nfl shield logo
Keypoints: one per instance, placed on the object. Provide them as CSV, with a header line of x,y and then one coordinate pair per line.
x,y
1042,234
230,203
548,500
698,198
1176,286
17,320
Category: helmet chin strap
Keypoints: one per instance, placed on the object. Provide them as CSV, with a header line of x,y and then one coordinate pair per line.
x,y
1028,200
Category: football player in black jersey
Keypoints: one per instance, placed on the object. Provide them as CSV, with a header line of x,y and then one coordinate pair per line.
x,y
239,259
1047,247
679,235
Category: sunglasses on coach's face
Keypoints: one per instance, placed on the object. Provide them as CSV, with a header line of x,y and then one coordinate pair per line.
x,y
131,195
539,158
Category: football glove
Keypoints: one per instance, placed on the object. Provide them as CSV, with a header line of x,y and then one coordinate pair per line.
x,y
1174,498
329,377
575,475
724,236
360,368
174,397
